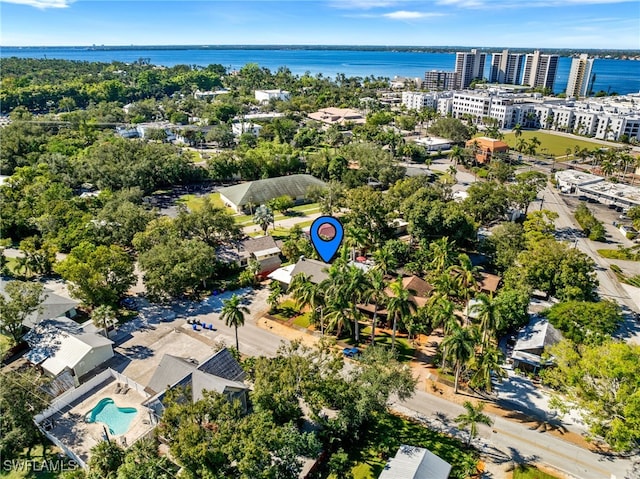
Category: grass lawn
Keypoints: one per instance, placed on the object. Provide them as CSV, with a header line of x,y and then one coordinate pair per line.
x,y
390,431
405,350
23,470
530,472
555,145
287,310
302,320
624,254
5,343
301,210
194,203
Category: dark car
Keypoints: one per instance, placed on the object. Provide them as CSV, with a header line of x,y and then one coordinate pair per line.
x,y
129,303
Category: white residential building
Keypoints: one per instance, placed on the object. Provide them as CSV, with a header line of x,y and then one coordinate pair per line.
x,y
265,96
580,76
245,127
417,101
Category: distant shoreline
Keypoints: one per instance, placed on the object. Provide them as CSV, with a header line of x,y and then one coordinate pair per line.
x,y
610,53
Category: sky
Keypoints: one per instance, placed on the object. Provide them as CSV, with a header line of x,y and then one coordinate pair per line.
x,y
613,24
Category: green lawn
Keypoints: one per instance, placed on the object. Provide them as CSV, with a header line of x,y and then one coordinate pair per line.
x,y
301,210
23,470
620,253
530,472
194,203
390,431
405,351
302,320
555,145
5,343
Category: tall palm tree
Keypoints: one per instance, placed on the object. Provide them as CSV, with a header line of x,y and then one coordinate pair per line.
x,y
442,254
466,276
384,260
489,317
274,295
263,217
305,293
442,313
460,346
486,364
337,316
103,317
472,418
456,154
233,314
375,294
517,130
399,306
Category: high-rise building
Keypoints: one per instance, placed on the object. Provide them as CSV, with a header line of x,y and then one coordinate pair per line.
x,y
540,70
580,76
440,80
469,67
506,67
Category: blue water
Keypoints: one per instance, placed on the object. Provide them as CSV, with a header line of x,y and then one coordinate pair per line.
x,y
622,76
117,419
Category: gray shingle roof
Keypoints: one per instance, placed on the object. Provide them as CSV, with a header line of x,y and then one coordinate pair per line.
x,y
538,334
261,191
170,370
316,270
251,245
224,365
53,306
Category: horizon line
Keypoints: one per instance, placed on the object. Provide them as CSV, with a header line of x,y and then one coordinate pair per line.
x,y
311,45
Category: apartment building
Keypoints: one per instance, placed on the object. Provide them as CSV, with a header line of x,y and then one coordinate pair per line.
x,y
265,96
602,118
540,70
506,68
440,80
417,100
469,67
579,82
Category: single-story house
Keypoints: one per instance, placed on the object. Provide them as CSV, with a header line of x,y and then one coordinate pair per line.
x,y
260,192
411,462
220,373
60,344
338,116
52,306
434,143
485,148
419,292
531,343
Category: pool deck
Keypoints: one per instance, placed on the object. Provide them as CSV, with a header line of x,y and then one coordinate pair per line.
x,y
80,436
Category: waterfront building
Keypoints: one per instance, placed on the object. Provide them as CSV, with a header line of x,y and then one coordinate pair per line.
x,y
580,78
469,67
540,70
506,67
440,80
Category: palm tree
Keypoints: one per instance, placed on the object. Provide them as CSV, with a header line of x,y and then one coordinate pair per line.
x,y
466,275
517,130
489,317
487,363
472,418
274,295
521,145
103,317
399,306
456,154
442,253
305,293
263,217
442,313
384,260
338,308
233,314
376,295
460,348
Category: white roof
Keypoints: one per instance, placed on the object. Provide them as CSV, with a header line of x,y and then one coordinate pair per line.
x,y
59,343
412,462
537,334
283,274
577,178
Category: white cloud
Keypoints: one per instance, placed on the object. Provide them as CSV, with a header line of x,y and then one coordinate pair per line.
x,y
42,4
531,4
408,15
362,4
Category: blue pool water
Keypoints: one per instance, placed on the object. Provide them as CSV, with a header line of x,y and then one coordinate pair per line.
x,y
117,419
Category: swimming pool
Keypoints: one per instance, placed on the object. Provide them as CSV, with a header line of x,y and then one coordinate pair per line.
x,y
117,419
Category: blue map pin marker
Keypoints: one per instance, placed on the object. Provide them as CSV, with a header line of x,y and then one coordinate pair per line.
x,y
326,236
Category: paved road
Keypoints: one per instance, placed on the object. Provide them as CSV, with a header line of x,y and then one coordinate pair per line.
x,y
509,441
